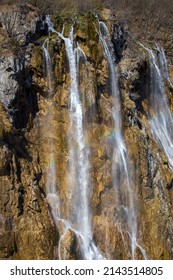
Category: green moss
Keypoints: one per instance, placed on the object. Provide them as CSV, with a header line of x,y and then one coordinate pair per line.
x,y
85,31
84,22
87,27
63,20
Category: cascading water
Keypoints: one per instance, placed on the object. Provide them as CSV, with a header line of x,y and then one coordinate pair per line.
x,y
79,162
52,196
163,65
125,205
79,217
48,65
161,120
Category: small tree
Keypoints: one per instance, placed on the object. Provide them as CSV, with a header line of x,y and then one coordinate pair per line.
x,y
9,23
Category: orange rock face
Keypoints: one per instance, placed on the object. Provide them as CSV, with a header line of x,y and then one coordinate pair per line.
x,y
35,136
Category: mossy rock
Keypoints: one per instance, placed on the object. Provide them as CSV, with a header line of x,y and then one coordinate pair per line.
x,y
86,29
61,21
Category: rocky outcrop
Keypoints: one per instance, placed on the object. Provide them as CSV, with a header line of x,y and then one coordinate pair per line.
x,y
20,24
10,68
24,212
27,229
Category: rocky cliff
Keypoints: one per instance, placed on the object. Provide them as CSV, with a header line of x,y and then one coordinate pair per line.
x,y
35,124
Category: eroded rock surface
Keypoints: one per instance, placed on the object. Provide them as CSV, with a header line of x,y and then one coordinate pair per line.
x,y
27,228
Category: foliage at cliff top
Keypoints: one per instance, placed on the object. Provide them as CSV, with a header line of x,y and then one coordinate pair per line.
x,y
151,17
138,6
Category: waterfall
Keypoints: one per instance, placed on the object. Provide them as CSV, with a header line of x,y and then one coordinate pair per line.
x,y
161,120
51,190
163,65
48,66
126,212
79,216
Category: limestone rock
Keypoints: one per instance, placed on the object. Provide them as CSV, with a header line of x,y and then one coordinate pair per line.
x,y
31,120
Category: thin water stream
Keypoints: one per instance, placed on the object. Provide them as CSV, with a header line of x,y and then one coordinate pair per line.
x,y
161,120
126,211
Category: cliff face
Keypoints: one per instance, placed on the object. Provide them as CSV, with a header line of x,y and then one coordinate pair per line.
x,y
34,140
25,217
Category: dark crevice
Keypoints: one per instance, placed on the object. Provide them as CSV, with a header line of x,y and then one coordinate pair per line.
x,y
170,185
139,90
119,40
20,206
18,144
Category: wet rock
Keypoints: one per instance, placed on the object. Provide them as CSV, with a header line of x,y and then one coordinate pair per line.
x,y
119,40
67,246
7,245
5,158
26,140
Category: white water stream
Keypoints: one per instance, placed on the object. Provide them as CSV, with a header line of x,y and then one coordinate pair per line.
x,y
161,120
51,170
79,216
126,212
